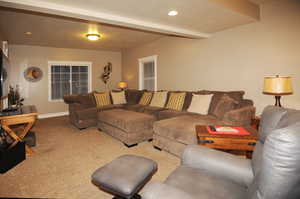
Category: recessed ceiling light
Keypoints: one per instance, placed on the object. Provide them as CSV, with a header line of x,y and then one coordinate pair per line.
x,y
93,37
173,13
28,33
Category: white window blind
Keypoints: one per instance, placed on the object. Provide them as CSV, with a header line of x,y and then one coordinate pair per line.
x,y
148,73
68,78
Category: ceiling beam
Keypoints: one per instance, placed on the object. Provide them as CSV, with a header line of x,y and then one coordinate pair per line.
x,y
244,7
78,13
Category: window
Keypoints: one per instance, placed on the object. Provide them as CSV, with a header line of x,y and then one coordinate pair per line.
x,y
68,78
148,73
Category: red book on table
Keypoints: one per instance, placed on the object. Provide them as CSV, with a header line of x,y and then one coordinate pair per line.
x,y
240,131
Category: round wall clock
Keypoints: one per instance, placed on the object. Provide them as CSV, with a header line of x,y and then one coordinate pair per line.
x,y
33,74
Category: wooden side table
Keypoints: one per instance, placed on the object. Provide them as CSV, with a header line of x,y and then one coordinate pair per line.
x,y
242,143
27,117
255,122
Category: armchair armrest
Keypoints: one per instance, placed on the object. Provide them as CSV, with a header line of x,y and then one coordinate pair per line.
x,y
158,190
218,163
240,117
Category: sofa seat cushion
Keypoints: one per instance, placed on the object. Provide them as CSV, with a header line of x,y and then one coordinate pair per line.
x,y
153,109
165,114
182,128
135,107
201,185
128,121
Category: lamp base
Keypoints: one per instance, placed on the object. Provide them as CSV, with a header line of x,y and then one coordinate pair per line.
x,y
277,100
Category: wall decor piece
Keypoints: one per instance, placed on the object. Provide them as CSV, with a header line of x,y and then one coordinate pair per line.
x,y
106,74
5,48
33,74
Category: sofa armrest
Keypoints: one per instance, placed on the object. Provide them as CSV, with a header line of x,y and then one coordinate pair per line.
x,y
245,102
240,117
88,113
218,163
158,190
74,107
69,99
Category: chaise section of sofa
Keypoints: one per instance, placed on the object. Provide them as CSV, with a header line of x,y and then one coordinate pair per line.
x,y
176,129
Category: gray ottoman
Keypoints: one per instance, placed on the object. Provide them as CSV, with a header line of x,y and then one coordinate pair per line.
x,y
125,176
127,126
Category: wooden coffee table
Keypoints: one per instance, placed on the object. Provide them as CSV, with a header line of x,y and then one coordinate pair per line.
x,y
237,144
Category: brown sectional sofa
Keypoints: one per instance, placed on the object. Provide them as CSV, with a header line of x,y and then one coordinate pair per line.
x,y
173,130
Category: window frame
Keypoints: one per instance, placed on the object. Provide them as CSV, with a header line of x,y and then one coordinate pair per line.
x,y
68,63
141,71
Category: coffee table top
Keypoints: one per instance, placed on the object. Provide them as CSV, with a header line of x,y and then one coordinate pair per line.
x,y
203,132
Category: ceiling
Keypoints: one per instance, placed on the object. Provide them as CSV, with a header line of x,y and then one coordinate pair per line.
x,y
64,23
66,33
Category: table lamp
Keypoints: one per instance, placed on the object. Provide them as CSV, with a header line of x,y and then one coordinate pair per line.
x,y
278,86
122,85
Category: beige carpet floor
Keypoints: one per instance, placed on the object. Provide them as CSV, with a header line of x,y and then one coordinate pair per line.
x,y
65,158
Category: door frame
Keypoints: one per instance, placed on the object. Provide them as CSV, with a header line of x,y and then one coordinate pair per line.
x,y
141,70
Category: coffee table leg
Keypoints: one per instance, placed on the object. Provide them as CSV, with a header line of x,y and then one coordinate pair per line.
x,y
249,154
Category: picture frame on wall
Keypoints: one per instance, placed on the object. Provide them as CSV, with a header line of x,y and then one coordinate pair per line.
x,y
5,48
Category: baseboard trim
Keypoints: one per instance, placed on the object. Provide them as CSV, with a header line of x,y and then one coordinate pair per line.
x,y
49,115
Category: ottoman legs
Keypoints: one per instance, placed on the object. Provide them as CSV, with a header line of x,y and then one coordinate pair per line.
x,y
131,145
135,196
157,148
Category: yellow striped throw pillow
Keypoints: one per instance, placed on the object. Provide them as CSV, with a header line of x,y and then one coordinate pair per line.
x,y
146,98
176,101
102,99
159,99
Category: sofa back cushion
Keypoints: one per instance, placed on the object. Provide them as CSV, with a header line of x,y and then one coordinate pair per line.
x,y
118,97
102,99
159,99
133,96
176,101
146,98
236,95
200,104
224,105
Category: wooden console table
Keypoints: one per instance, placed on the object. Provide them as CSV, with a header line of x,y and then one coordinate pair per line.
x,y
27,117
230,143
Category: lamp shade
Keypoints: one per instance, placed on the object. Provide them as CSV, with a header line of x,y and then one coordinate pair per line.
x,y
278,85
122,85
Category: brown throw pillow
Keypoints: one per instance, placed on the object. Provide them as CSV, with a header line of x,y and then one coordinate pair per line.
x,y
224,105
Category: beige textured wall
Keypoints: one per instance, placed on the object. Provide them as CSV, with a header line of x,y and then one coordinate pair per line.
x,y
22,56
235,59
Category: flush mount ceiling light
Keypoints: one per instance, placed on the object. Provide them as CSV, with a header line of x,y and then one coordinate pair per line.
x,y
93,37
173,13
28,33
